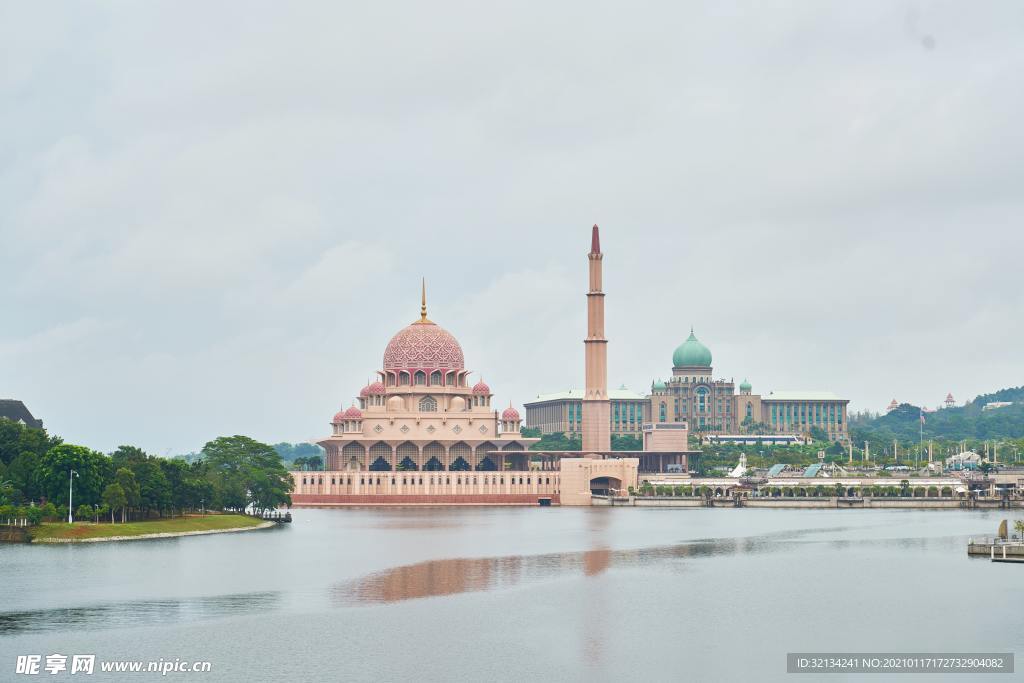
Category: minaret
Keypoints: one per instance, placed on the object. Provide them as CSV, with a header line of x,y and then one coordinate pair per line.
x,y
596,409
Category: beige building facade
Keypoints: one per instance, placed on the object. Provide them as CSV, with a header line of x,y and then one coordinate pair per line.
x,y
713,406
563,412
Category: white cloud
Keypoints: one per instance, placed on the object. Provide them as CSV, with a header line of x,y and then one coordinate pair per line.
x,y
212,226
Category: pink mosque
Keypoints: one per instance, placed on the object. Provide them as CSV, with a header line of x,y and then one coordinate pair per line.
x,y
422,435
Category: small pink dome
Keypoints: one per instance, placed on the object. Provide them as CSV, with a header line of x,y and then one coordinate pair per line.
x,y
510,415
338,418
481,388
375,388
353,413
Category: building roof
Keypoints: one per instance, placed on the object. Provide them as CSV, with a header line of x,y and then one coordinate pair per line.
x,y
812,471
691,353
802,396
15,410
613,394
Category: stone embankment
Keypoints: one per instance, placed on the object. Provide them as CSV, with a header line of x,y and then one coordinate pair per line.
x,y
142,537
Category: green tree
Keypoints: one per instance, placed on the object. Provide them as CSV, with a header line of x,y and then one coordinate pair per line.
x,y
246,472
54,468
83,512
114,499
130,487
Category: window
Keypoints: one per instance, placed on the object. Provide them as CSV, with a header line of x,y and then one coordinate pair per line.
x,y
661,413
428,404
420,377
435,378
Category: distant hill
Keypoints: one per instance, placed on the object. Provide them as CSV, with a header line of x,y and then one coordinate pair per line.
x,y
970,421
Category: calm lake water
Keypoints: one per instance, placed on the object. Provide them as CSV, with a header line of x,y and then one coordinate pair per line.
x,y
517,594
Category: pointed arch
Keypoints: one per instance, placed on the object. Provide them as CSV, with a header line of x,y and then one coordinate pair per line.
x,y
380,452
434,451
353,457
460,449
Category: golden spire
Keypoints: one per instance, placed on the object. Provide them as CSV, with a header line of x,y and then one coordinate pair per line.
x,y
423,303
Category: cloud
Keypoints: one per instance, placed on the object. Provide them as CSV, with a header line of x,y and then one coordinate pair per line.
x,y
215,226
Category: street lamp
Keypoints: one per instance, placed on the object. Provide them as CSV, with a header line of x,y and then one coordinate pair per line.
x,y
71,475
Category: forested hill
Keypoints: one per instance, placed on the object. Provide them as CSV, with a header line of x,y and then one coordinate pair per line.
x,y
969,421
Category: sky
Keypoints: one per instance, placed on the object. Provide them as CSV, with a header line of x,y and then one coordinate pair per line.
x,y
213,216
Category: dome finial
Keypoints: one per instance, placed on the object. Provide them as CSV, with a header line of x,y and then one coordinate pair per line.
x,y
423,302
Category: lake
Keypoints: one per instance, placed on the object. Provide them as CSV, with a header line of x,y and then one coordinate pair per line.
x,y
512,594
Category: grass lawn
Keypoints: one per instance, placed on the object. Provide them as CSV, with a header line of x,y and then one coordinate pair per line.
x,y
154,526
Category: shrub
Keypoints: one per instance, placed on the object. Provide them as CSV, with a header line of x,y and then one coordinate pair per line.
x,y
50,511
33,514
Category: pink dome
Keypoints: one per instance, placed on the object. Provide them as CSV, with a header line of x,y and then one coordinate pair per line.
x,y
423,346
370,389
338,418
510,415
353,413
481,388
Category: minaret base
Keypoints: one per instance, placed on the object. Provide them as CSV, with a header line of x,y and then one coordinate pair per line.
x,y
597,428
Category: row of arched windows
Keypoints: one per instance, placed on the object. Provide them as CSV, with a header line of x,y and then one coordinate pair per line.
x,y
421,378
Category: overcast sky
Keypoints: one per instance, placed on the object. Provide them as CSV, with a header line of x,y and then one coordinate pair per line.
x,y
213,216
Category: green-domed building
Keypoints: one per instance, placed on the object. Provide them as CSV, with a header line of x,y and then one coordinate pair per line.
x,y
713,406
691,394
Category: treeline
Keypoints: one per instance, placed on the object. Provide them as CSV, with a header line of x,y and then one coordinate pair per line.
x,y
968,422
558,441
230,473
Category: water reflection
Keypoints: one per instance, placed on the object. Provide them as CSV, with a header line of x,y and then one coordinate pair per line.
x,y
468,575
136,613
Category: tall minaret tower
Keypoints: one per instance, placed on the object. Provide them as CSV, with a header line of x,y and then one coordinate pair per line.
x,y
596,409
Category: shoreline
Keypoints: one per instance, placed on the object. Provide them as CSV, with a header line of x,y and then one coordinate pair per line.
x,y
145,537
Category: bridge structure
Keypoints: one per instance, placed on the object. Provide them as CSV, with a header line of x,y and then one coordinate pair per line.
x,y
804,486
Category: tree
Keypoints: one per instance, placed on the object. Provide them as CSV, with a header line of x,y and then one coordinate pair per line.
x,y
55,465
83,512
114,499
246,472
130,487
1018,526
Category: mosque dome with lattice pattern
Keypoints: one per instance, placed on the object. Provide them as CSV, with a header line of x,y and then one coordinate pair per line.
x,y
424,345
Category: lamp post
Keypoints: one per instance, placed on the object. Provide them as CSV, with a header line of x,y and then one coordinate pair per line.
x,y
71,475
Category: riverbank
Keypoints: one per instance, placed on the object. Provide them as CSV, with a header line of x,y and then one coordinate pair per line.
x,y
88,532
811,502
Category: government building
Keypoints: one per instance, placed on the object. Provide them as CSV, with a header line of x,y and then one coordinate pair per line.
x,y
709,406
563,412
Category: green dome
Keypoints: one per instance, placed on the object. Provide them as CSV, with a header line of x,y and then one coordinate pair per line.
x,y
745,385
691,353
658,386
